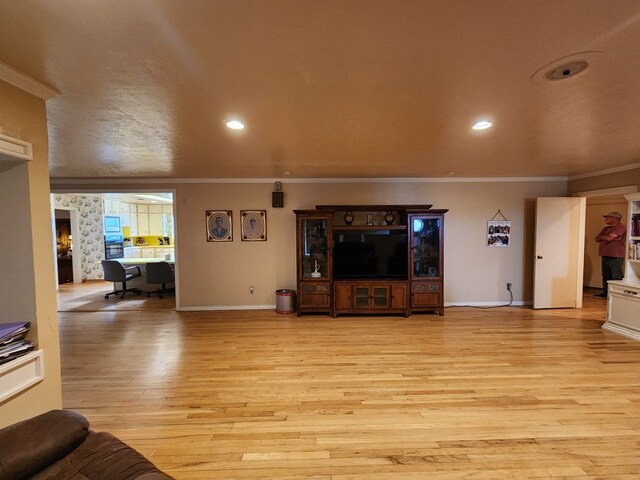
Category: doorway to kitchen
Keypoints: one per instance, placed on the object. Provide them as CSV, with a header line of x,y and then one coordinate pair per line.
x,y
134,228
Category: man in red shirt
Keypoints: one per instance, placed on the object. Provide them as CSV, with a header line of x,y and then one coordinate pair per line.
x,y
612,249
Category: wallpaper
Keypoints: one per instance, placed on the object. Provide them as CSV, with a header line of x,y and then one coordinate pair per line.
x,y
91,242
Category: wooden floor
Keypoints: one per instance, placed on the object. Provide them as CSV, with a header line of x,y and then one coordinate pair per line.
x,y
507,393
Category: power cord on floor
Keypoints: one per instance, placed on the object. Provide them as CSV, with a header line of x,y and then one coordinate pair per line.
x,y
486,308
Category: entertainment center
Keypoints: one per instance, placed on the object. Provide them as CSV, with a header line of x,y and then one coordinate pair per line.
x,y
370,259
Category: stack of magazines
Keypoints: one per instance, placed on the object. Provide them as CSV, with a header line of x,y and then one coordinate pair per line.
x,y
12,341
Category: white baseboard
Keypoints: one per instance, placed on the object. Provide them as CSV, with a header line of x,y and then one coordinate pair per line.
x,y
203,308
621,330
486,304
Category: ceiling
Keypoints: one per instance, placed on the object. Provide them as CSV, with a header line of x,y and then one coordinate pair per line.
x,y
328,88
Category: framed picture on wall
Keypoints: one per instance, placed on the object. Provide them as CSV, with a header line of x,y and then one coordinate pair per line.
x,y
254,225
219,226
498,233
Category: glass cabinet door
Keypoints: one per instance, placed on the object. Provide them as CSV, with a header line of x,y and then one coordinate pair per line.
x,y
380,297
425,247
361,295
314,248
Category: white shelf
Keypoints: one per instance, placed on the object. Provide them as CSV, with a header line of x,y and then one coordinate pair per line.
x,y
20,374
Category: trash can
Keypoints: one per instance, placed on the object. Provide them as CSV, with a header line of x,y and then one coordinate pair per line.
x,y
285,301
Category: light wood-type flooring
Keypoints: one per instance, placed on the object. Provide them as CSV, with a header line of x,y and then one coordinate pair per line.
x,y
505,393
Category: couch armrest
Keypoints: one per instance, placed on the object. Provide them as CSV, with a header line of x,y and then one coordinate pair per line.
x,y
31,445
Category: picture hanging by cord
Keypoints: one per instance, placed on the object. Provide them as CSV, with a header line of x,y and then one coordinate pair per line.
x,y
498,231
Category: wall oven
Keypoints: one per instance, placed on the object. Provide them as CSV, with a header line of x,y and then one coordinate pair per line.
x,y
113,247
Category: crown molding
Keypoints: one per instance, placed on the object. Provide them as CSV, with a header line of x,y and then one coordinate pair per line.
x,y
606,171
24,82
603,192
156,181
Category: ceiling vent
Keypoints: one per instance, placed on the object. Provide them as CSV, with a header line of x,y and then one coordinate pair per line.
x,y
567,67
566,71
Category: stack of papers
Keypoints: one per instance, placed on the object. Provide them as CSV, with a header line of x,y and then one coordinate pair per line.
x,y
12,341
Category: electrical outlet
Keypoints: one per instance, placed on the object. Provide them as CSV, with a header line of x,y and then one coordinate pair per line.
x,y
251,290
509,286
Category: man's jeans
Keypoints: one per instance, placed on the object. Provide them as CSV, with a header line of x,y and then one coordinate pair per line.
x,y
611,270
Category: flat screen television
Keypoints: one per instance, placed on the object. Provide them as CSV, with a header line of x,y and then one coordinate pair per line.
x,y
370,254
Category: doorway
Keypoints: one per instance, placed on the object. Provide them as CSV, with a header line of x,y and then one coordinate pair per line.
x,y
596,207
600,202
146,227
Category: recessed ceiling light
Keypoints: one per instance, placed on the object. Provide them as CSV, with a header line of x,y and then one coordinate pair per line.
x,y
482,125
234,124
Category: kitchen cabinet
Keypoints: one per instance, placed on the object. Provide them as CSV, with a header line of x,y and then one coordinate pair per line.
x,y
143,224
156,224
150,220
132,252
110,206
125,217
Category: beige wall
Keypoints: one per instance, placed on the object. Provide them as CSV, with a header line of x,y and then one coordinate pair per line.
x,y
25,191
219,275
612,180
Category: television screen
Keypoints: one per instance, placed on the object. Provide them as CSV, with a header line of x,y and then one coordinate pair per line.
x,y
370,254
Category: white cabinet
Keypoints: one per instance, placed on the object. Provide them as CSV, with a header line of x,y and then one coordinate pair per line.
x,y
148,220
156,224
148,252
124,214
143,224
133,220
623,314
132,252
110,206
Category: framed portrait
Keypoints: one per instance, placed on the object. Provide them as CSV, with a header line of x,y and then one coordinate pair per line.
x,y
498,233
254,225
219,226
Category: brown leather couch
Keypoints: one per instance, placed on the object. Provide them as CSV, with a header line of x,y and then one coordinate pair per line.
x,y
59,445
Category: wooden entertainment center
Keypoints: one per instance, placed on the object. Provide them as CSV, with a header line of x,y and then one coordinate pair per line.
x,y
370,259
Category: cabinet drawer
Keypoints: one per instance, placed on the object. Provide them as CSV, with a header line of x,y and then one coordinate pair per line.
x,y
314,288
426,294
314,295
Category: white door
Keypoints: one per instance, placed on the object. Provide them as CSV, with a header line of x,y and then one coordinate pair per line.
x,y
559,252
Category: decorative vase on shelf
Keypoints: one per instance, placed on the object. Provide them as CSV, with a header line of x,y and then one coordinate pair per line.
x,y
389,218
348,218
316,272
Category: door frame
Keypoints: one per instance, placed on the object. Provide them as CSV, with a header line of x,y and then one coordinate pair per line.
x,y
602,192
78,190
